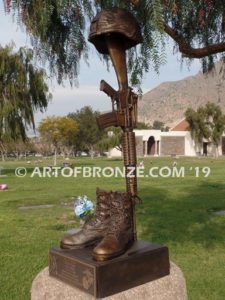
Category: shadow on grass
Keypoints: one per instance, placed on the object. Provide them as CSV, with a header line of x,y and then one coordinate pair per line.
x,y
183,217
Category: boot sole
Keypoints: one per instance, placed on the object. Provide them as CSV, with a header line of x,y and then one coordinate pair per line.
x,y
104,257
70,247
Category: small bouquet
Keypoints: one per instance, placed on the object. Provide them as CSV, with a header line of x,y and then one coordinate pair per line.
x,y
3,187
83,208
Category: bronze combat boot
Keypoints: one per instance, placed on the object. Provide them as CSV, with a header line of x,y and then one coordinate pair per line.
x,y
120,235
95,229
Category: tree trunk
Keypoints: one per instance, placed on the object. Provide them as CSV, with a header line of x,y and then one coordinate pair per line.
x,y
75,151
2,151
17,155
3,156
63,153
197,148
216,151
92,153
55,157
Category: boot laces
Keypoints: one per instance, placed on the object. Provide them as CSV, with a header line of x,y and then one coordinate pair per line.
x,y
119,214
100,213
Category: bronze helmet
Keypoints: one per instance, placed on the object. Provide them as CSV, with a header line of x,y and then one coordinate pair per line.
x,y
115,21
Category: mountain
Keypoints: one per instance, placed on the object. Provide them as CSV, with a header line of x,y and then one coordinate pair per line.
x,y
169,101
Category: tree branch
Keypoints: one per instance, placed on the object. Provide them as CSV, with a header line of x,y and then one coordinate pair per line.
x,y
134,2
190,52
184,47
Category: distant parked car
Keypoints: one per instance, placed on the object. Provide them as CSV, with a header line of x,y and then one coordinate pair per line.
x,y
82,153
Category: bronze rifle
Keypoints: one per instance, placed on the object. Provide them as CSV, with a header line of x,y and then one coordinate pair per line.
x,y
124,115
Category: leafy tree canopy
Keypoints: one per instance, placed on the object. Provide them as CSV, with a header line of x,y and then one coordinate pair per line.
x,y
59,31
206,122
142,125
58,130
112,138
160,126
88,133
23,91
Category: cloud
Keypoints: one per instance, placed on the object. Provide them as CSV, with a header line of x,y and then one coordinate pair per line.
x,y
67,100
60,91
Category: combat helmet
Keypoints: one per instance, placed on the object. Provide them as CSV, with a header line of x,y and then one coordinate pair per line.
x,y
115,21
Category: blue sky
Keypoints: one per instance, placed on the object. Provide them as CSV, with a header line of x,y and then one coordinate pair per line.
x,y
67,99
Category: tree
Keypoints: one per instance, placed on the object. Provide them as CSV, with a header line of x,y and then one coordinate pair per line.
x,y
18,148
23,91
112,138
208,122
58,30
4,141
42,147
58,131
142,125
160,126
89,133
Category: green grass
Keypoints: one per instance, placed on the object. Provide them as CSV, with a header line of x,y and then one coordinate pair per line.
x,y
178,212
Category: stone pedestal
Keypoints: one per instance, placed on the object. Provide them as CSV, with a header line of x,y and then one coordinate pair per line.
x,y
171,287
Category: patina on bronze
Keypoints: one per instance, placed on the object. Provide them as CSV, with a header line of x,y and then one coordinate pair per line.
x,y
114,21
96,228
113,31
119,236
120,261
143,262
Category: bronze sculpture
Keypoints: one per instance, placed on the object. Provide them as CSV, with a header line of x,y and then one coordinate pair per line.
x,y
95,229
120,261
113,32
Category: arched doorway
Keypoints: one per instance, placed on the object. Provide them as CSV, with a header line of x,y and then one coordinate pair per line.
x,y
151,146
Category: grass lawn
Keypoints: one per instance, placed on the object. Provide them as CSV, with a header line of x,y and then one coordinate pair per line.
x,y
178,212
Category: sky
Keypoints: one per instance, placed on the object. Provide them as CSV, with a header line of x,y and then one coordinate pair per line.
x,y
66,99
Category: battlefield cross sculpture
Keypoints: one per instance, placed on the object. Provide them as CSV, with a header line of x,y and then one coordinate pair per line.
x,y
112,32
105,257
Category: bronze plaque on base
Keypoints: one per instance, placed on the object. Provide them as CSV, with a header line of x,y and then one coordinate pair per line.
x,y
142,263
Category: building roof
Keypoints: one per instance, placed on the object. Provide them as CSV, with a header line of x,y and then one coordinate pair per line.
x,y
181,126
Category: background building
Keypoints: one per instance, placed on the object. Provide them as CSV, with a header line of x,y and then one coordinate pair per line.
x,y
176,142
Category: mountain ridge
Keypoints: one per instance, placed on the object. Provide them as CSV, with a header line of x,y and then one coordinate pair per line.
x,y
169,101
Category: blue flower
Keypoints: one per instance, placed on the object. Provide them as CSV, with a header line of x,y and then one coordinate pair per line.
x,y
89,205
83,206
